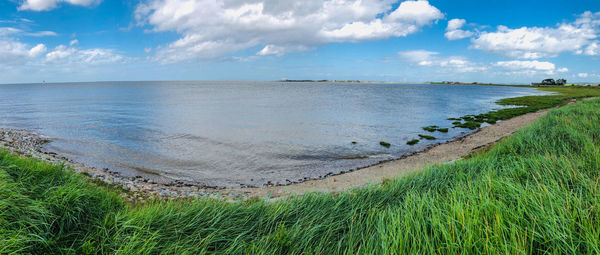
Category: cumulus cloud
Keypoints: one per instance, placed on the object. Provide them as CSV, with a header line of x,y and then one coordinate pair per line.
x,y
37,50
424,58
454,31
582,75
593,49
530,67
45,5
14,52
213,28
542,42
271,49
432,59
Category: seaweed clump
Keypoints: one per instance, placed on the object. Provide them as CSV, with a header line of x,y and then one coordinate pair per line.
x,y
413,142
427,137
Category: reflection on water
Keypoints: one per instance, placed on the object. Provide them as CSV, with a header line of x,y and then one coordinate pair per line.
x,y
230,133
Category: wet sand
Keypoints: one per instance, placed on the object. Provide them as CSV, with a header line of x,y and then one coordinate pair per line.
x,y
30,144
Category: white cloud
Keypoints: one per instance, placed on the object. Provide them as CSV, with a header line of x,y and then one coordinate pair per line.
x,y
593,49
73,42
530,67
213,28
455,24
582,75
14,52
42,33
454,31
72,55
458,34
458,64
6,31
541,42
431,59
417,56
271,49
45,5
37,50
534,65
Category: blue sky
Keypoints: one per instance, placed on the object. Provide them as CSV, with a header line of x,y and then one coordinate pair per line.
x,y
382,40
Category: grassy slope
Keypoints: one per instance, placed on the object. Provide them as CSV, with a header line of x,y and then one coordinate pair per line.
x,y
527,104
535,192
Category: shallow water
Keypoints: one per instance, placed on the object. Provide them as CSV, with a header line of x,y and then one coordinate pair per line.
x,y
232,133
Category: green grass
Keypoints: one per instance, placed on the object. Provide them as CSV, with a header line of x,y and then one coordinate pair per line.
x,y
536,192
526,104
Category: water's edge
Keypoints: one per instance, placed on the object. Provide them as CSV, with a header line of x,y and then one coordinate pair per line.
x,y
32,144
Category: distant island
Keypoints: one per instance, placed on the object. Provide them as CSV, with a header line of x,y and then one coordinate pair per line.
x,y
546,82
340,81
472,83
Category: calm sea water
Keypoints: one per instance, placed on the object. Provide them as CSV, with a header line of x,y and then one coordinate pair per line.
x,y
232,133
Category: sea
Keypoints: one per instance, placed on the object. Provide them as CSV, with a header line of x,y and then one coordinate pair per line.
x,y
240,133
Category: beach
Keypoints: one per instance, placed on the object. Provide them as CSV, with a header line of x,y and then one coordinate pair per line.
x,y
138,187
31,144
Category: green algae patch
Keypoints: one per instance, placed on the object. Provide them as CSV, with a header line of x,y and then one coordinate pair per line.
x,y
413,142
427,137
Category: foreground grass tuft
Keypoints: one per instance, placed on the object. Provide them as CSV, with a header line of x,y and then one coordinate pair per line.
x,y
535,192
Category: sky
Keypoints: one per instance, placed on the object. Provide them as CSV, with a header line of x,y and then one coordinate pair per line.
x,y
501,41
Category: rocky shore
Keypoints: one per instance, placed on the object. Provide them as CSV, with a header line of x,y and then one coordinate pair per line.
x,y
135,188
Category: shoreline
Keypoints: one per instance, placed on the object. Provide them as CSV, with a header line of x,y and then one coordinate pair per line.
x,y
440,153
30,144
136,188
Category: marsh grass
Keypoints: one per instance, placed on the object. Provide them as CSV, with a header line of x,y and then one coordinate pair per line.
x,y
535,192
525,104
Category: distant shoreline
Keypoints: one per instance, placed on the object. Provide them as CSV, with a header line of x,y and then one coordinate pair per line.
x,y
392,82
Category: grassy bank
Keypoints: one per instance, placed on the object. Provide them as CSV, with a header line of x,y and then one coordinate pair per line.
x,y
535,192
526,104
